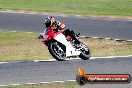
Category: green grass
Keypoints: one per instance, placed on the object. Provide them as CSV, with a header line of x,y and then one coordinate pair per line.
x,y
101,47
51,85
19,46
96,7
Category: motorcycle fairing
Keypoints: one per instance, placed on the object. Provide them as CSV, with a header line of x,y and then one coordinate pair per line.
x,y
70,50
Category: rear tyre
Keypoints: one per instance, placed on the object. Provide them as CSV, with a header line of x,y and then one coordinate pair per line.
x,y
57,50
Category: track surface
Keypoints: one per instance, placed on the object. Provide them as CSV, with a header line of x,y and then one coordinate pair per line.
x,y
35,72
87,26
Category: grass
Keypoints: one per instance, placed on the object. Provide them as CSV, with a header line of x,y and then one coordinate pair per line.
x,y
102,47
51,85
96,7
19,46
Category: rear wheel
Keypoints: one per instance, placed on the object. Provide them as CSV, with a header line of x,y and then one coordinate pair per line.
x,y
85,52
57,50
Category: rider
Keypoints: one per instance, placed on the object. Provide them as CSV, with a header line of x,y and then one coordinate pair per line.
x,y
51,22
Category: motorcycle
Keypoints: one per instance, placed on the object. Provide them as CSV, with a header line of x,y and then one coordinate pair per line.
x,y
64,44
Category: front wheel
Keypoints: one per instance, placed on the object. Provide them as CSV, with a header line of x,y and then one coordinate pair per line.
x,y
85,52
57,50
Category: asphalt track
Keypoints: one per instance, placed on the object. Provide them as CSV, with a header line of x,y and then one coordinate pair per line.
x,y
87,26
48,71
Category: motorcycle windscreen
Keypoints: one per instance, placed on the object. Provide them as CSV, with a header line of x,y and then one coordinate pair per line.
x,y
70,50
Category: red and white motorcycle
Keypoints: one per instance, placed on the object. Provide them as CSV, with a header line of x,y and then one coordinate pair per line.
x,y
62,45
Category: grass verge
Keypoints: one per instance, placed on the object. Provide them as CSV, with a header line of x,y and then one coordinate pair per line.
x,y
51,85
19,46
96,7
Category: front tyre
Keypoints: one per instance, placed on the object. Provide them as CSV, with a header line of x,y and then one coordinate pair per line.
x,y
85,52
57,50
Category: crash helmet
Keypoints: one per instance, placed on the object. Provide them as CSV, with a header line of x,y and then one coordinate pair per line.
x,y
49,21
